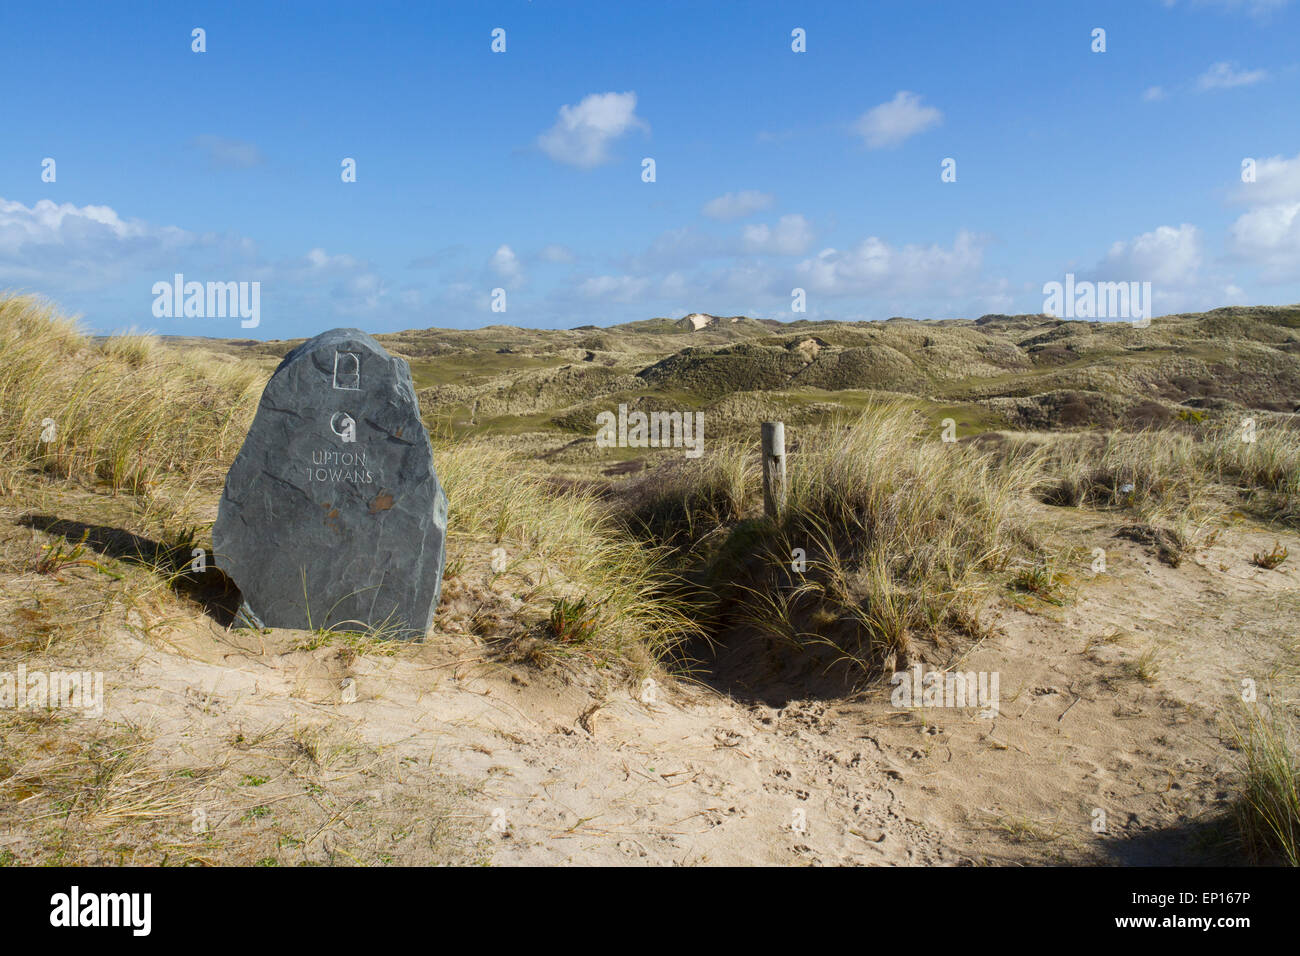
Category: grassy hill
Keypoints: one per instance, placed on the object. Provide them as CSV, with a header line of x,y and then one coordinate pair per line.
x,y
541,389
626,565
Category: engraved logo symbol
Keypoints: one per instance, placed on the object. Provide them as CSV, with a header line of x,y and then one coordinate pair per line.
x,y
345,426
347,371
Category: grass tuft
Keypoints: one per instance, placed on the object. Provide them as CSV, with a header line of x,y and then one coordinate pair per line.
x,y
1268,809
1271,559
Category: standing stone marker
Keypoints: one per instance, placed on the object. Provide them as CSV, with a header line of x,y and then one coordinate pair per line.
x,y
332,515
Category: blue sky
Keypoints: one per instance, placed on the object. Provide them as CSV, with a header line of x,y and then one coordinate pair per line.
x,y
522,170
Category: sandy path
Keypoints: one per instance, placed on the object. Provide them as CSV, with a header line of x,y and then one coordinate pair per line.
x,y
562,767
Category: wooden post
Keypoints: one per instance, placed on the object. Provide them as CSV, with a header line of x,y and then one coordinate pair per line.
x,y
773,468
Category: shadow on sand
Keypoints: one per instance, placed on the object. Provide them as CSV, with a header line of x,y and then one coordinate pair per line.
x,y
1209,840
210,588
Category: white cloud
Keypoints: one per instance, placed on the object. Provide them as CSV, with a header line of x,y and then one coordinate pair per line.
x,y
1153,93
1173,260
874,266
637,290
1165,256
505,264
790,237
582,134
1222,76
60,244
318,260
737,205
890,124
872,280
1270,238
1267,235
1277,179
63,223
92,259
675,285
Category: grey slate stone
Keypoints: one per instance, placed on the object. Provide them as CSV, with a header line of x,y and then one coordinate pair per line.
x,y
321,531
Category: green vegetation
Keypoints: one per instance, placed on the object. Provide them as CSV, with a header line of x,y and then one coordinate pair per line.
x,y
1271,559
1268,810
574,622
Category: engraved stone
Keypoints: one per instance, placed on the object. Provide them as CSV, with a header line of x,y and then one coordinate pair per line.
x,y
332,516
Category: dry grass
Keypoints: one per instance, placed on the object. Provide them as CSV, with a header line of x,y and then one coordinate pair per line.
x,y
78,793
888,532
559,547
1268,808
1177,479
899,533
1159,475
77,799
683,503
901,529
1146,666
125,414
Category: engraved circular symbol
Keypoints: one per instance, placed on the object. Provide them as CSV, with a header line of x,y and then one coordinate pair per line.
x,y
344,425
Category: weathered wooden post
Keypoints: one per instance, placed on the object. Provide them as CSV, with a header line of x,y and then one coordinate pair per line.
x,y
773,468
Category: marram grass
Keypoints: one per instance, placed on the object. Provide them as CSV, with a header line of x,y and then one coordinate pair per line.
x,y
125,414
